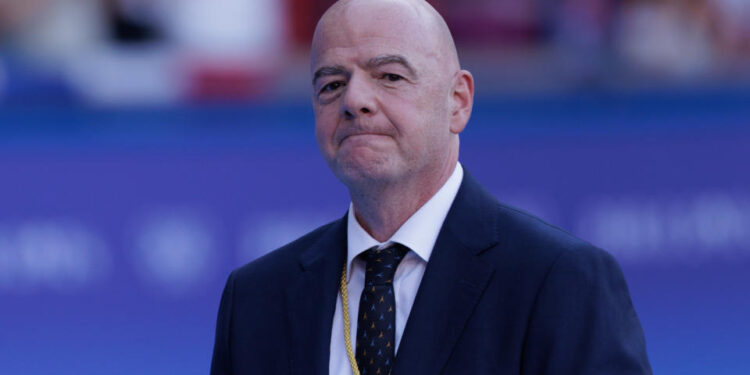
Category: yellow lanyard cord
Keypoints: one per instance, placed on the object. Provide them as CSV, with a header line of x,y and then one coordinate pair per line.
x,y
347,325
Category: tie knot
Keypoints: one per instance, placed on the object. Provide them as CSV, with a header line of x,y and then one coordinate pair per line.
x,y
381,264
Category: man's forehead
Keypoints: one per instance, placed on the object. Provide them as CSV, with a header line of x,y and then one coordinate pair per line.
x,y
354,31
367,54
377,11
369,50
387,22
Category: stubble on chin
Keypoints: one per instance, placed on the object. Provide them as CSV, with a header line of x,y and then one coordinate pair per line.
x,y
361,171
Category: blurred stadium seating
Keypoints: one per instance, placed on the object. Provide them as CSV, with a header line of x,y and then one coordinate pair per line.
x,y
119,52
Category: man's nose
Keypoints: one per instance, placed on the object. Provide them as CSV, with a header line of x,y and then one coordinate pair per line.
x,y
359,97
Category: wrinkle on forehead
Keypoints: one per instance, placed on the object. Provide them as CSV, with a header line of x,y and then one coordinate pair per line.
x,y
414,19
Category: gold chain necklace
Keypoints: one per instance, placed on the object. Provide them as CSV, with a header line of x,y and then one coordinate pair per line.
x,y
347,325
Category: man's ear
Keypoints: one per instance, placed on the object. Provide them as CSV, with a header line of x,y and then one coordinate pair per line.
x,y
462,100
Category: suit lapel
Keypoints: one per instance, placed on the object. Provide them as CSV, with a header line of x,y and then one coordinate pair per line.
x,y
311,301
452,285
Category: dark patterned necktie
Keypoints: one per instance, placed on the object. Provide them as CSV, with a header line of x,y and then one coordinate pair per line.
x,y
376,323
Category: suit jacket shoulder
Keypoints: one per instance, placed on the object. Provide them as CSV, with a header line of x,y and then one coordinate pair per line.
x,y
549,246
276,308
540,300
581,320
277,266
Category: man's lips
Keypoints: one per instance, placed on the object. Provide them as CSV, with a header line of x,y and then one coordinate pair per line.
x,y
363,136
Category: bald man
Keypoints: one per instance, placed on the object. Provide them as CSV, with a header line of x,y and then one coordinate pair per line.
x,y
426,273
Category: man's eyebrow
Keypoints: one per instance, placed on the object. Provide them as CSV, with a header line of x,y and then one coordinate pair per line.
x,y
329,71
391,59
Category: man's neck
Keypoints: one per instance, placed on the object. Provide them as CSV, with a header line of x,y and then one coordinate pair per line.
x,y
382,209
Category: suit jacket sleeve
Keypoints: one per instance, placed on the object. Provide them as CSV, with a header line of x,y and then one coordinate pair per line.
x,y
583,321
221,363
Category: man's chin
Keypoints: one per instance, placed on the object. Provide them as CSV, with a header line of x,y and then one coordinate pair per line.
x,y
362,174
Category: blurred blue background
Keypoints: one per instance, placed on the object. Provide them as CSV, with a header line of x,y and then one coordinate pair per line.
x,y
147,148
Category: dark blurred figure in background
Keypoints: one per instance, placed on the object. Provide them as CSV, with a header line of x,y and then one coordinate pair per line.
x,y
132,21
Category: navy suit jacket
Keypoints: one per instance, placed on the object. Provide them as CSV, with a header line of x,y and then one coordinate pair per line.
x,y
503,293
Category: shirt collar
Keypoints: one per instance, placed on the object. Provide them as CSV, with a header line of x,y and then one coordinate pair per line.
x,y
419,233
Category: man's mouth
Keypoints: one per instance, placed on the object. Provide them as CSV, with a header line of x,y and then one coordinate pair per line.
x,y
363,136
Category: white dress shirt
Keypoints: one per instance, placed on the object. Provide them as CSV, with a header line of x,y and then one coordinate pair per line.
x,y
419,234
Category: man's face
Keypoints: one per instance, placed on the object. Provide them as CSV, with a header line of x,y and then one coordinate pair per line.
x,y
380,96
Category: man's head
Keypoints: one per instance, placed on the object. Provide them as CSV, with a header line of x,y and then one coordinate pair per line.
x,y
389,96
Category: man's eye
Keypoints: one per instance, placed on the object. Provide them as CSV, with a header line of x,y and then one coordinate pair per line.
x,y
333,86
392,77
